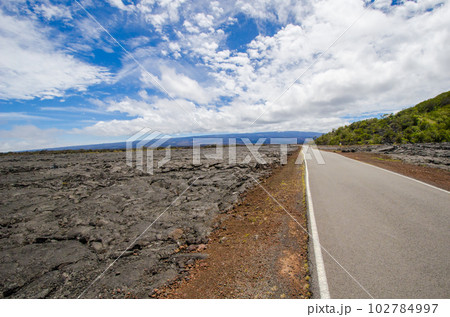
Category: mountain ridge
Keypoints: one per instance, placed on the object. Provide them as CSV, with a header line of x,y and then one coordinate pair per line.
x,y
188,140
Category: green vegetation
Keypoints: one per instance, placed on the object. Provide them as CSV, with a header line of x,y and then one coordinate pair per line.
x,y
429,121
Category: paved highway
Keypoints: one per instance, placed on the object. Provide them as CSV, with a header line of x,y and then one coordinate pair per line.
x,y
389,234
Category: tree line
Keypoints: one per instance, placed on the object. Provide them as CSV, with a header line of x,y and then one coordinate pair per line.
x,y
428,121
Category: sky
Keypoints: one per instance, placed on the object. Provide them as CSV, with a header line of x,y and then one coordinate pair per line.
x,y
86,71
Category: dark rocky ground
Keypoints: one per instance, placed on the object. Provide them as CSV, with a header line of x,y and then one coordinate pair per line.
x,y
260,249
65,217
426,154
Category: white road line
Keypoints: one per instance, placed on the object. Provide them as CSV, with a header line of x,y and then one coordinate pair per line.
x,y
320,265
410,178
314,235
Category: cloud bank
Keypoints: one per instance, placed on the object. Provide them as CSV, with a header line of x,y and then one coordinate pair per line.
x,y
217,66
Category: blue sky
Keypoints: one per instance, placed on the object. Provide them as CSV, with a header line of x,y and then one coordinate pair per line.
x,y
188,67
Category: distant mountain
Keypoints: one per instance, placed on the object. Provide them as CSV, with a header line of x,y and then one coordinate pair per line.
x,y
188,141
428,121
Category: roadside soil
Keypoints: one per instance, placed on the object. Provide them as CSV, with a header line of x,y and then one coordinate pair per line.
x,y
258,250
434,176
436,155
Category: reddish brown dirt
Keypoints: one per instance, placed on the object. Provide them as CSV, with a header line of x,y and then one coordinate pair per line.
x,y
258,251
433,176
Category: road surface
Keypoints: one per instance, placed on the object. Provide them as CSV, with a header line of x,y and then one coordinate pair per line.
x,y
390,233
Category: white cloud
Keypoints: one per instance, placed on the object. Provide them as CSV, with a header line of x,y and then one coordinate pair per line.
x,y
162,114
179,116
89,29
203,20
371,69
179,86
190,27
28,137
18,116
79,110
32,67
53,12
391,58
138,41
160,12
120,5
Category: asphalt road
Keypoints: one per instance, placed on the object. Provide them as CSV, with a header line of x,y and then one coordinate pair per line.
x,y
390,233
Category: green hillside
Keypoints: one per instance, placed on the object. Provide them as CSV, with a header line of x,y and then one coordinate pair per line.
x,y
429,121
